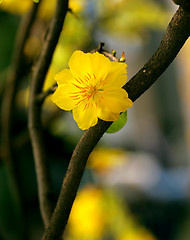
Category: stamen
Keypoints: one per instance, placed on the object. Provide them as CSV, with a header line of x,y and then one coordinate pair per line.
x,y
86,78
78,80
81,80
77,86
85,91
79,102
89,75
86,106
75,98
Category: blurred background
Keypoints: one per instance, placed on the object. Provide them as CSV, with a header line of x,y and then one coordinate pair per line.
x,y
136,185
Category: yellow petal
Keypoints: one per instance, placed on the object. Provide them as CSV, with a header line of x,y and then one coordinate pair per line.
x,y
62,97
64,77
85,116
101,65
117,76
116,100
107,115
80,64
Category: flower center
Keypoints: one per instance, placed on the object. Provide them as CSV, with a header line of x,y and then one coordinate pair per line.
x,y
87,87
91,91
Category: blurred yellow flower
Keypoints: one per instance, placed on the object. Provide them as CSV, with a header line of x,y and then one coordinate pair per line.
x,y
100,213
46,9
103,159
76,5
92,89
16,6
141,234
86,220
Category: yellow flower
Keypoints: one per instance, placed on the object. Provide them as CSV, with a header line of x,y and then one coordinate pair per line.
x,y
92,89
46,9
88,211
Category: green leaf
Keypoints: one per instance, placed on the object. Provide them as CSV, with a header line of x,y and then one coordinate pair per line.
x,y
119,124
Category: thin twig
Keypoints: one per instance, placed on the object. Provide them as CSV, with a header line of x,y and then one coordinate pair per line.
x,y
179,27
110,55
8,106
99,48
42,96
35,125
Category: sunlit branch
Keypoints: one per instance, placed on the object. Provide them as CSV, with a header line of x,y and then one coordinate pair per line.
x,y
35,125
13,80
177,33
110,55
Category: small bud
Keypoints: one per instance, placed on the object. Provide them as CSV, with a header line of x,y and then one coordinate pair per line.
x,y
122,59
36,1
114,52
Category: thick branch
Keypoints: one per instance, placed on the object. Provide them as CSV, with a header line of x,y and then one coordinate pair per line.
x,y
35,125
72,180
176,35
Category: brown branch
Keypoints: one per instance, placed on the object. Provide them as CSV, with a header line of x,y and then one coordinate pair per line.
x,y
106,53
176,35
8,106
110,55
42,96
72,180
35,125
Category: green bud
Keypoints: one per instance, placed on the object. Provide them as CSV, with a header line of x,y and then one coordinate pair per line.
x,y
122,59
114,52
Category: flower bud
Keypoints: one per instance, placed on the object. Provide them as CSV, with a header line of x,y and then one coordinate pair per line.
x,y
122,59
114,52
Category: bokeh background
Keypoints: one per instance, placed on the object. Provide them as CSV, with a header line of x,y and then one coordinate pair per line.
x,y
136,185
